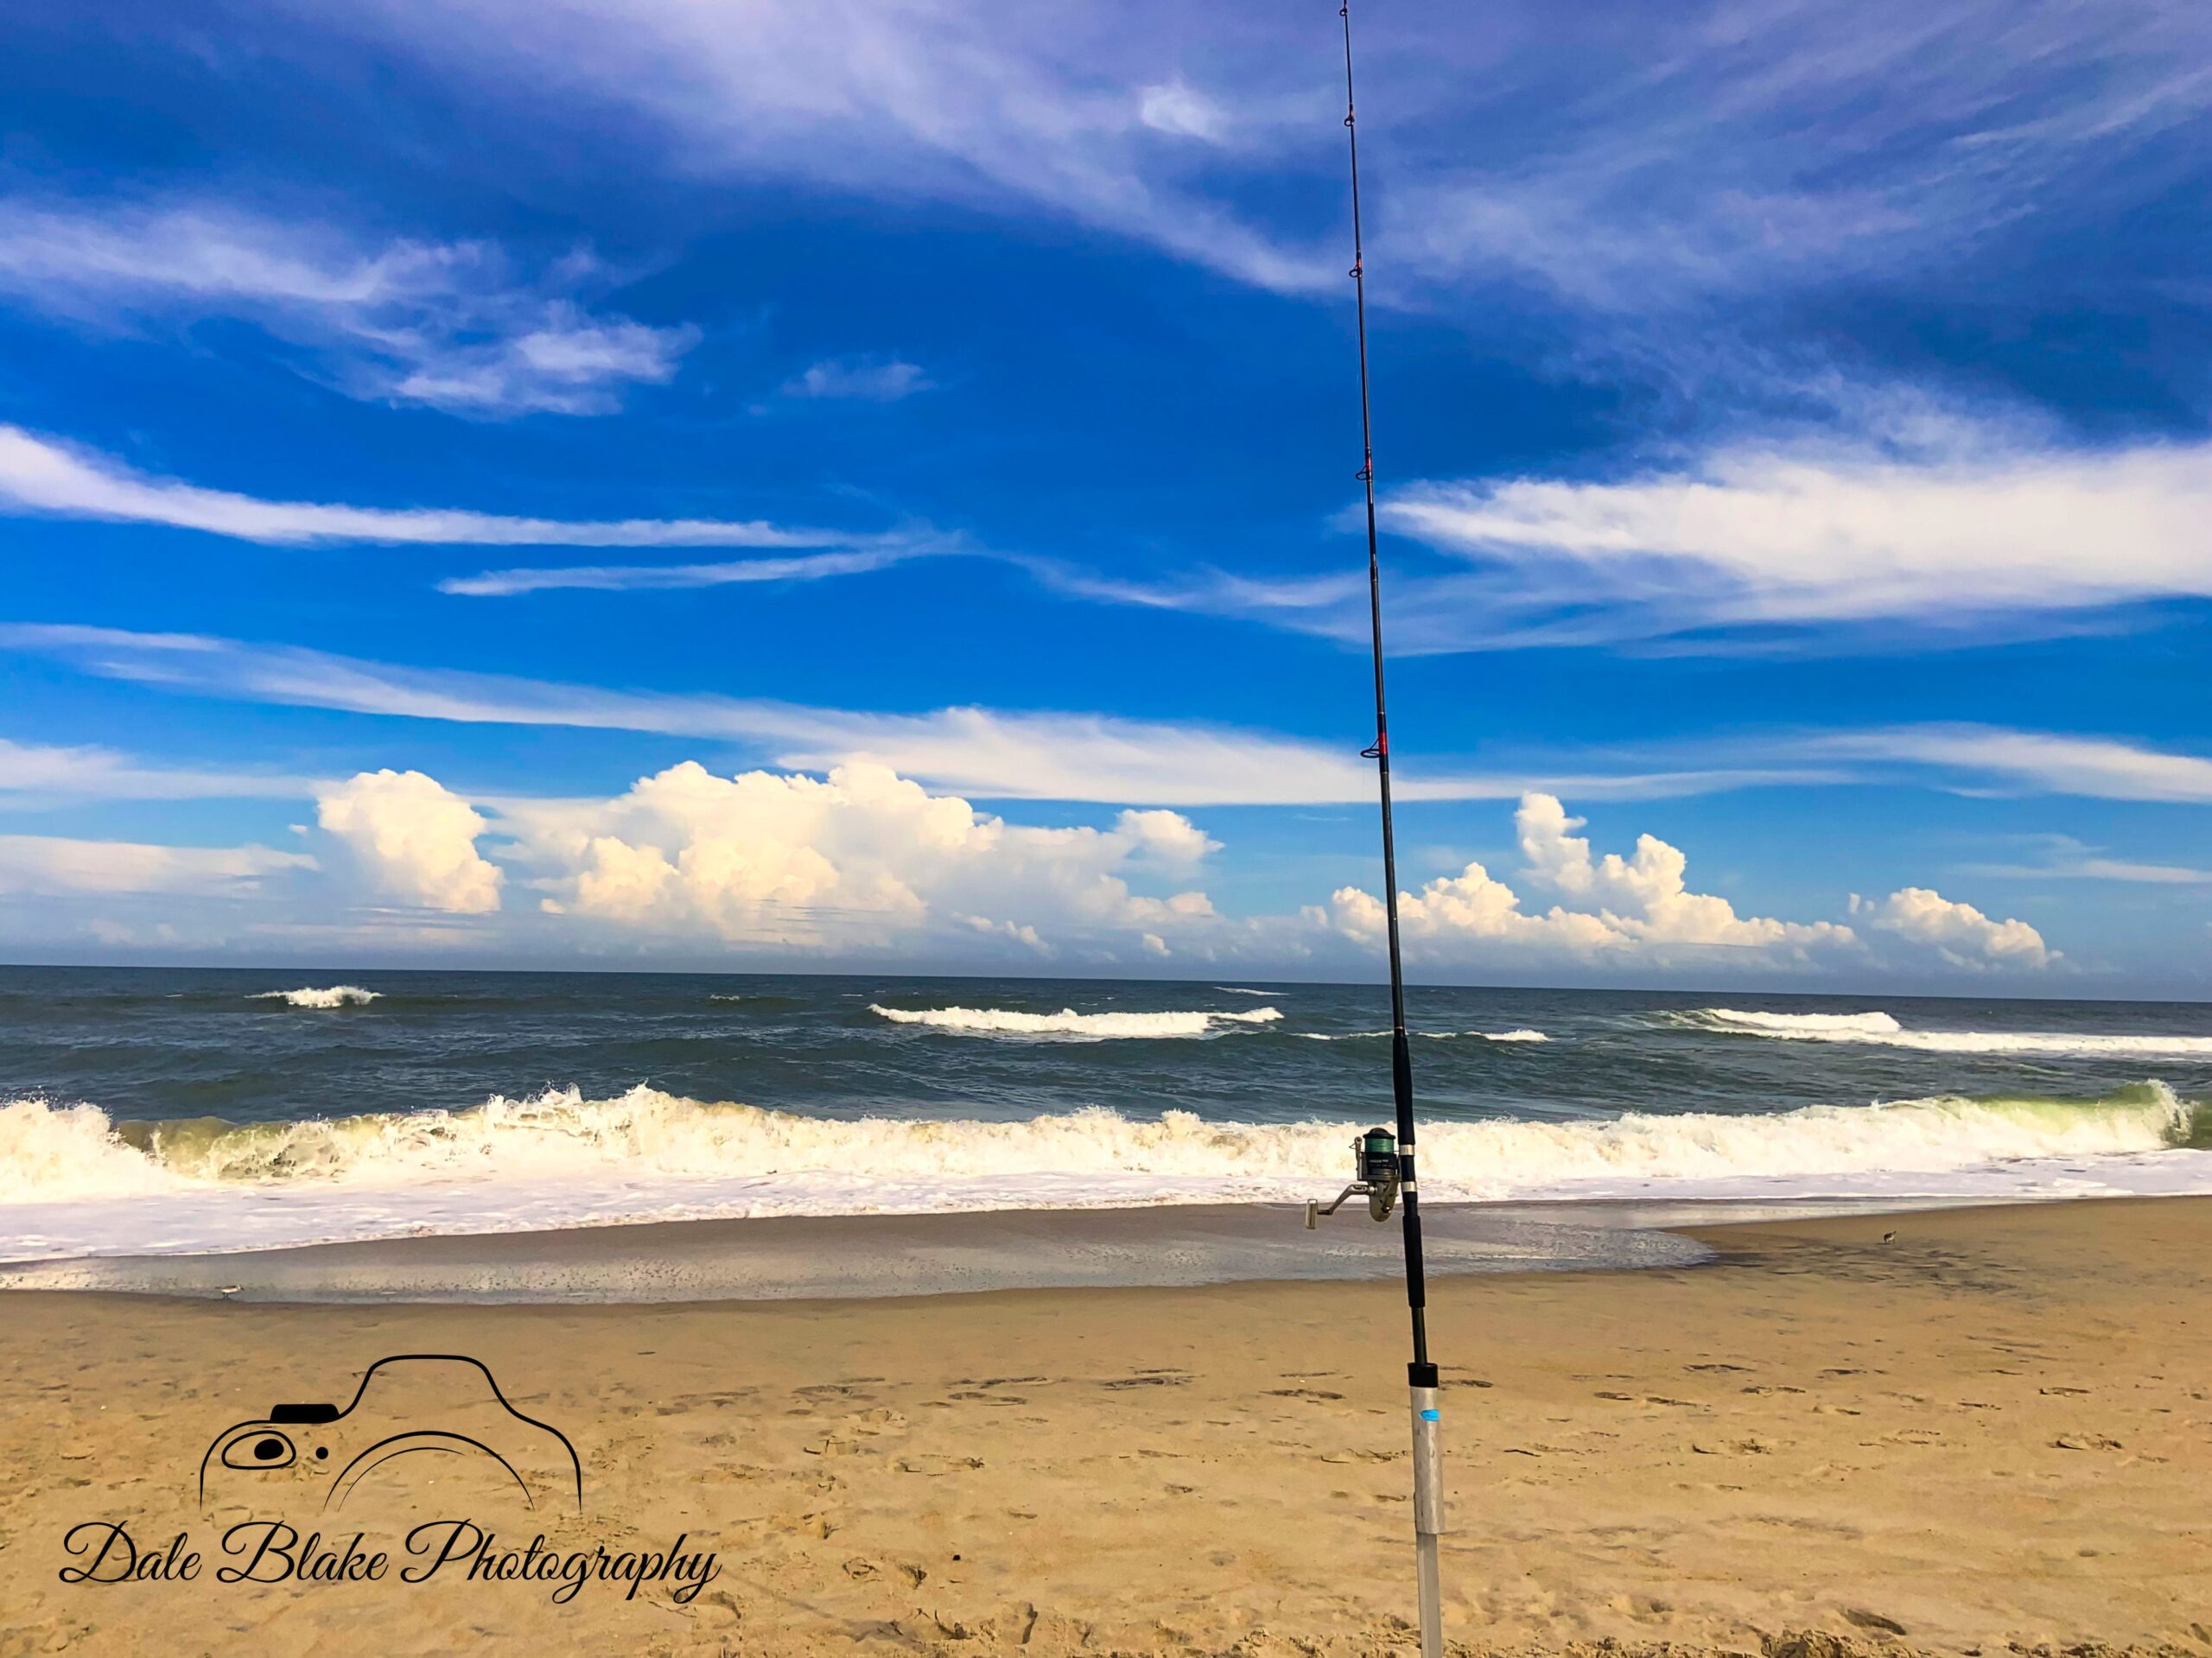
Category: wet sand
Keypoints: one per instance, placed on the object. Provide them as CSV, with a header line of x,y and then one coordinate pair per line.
x,y
1992,1428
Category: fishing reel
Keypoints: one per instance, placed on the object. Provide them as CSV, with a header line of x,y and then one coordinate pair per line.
x,y
1374,1156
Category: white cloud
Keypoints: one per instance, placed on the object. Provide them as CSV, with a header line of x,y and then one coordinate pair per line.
x,y
450,325
1758,148
1471,907
1645,897
1960,933
40,774
633,578
1182,111
862,379
415,839
859,859
1828,536
999,106
42,475
864,861
1213,592
1054,756
1641,904
1000,755
1654,157
55,866
2104,768
2064,858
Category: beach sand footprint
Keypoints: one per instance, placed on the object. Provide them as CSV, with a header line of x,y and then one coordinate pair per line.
x,y
937,1467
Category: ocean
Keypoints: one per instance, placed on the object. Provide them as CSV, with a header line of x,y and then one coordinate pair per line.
x,y
153,1111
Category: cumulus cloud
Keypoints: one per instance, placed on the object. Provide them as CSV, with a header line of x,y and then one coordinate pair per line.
x,y
1616,904
414,838
859,858
1646,897
1471,907
862,860
1960,933
55,866
451,325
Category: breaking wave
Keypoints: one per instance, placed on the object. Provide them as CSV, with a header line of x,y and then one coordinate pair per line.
x,y
999,1021
336,995
1882,1030
1832,1026
51,1154
1433,1036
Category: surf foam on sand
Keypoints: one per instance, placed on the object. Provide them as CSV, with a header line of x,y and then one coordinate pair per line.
x,y
73,1182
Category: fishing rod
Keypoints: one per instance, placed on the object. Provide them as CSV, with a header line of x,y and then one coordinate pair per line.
x,y
1386,1171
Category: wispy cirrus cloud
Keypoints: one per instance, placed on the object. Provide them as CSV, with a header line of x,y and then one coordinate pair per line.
x,y
1745,150
51,866
2061,857
40,474
859,379
1651,158
637,578
42,774
453,324
1001,754
992,754
2042,762
1101,118
1974,532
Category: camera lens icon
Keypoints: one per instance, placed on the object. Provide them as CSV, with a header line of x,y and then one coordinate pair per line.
x,y
256,1448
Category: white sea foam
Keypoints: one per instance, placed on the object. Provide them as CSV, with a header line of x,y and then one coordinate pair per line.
x,y
336,995
1434,1036
50,1153
1000,1021
1239,990
1834,1027
1882,1030
70,1185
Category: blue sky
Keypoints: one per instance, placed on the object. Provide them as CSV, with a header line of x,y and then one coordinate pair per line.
x,y
652,484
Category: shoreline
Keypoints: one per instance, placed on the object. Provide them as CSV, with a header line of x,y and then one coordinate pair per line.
x,y
1947,1431
865,1257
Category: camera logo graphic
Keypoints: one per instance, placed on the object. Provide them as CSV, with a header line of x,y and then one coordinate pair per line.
x,y
417,1420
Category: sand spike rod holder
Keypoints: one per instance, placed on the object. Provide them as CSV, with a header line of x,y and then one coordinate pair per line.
x,y
1376,1150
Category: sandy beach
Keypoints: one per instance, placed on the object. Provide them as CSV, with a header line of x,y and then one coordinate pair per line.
x,y
1954,1431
